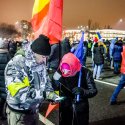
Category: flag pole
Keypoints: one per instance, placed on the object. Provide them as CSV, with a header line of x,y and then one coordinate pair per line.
x,y
79,54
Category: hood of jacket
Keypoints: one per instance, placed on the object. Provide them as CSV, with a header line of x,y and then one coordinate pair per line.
x,y
73,62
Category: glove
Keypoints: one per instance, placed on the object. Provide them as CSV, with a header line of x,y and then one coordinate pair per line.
x,y
53,97
77,90
59,99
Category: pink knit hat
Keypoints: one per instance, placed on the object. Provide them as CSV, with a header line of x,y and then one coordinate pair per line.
x,y
69,65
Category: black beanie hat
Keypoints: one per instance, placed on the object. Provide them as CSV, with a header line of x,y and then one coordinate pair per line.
x,y
41,45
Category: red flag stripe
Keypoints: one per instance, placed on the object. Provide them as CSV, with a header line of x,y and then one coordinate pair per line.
x,y
38,18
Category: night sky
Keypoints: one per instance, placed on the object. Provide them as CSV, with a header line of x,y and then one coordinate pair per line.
x,y
76,12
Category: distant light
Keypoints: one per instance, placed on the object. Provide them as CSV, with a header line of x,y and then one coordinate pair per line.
x,y
121,20
17,22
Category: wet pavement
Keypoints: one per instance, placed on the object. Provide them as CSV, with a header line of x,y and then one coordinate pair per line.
x,y
101,112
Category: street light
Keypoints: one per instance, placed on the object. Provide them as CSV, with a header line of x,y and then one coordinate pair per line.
x,y
121,20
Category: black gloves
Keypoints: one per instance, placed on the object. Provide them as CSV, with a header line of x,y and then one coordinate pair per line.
x,y
77,90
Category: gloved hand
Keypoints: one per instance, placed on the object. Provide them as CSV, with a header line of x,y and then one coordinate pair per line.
x,y
54,97
59,99
77,90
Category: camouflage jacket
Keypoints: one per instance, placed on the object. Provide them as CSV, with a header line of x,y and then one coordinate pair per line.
x,y
27,82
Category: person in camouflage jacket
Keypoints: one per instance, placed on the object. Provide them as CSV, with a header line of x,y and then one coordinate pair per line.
x,y
27,83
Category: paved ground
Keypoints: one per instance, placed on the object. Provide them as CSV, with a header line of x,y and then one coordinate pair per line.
x,y
107,73
101,112
100,109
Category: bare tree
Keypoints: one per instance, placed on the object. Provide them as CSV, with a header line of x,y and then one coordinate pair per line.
x,y
89,24
7,30
95,26
107,27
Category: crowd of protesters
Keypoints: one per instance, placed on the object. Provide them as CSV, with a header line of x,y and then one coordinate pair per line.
x,y
24,81
35,71
111,53
103,51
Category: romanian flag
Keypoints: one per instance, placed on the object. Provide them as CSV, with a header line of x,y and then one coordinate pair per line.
x,y
79,52
52,107
99,35
47,19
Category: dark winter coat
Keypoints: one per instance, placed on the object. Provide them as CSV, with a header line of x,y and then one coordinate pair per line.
x,y
12,48
98,55
65,47
4,59
53,60
81,107
117,52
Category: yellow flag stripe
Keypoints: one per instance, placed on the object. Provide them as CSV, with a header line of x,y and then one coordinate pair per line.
x,y
39,5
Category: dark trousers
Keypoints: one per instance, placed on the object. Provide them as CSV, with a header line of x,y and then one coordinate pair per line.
x,y
2,108
120,86
71,116
116,67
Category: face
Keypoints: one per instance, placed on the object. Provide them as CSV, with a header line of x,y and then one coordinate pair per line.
x,y
65,71
40,58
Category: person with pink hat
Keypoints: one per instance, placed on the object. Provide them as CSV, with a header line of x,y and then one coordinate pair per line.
x,y
71,110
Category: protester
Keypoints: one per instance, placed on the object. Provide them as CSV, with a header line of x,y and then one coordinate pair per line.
x,y
111,47
89,48
7,31
65,46
98,60
12,48
4,59
117,56
28,84
53,59
113,99
73,111
85,49
95,41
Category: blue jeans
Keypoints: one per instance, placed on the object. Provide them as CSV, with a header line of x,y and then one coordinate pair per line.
x,y
111,63
97,71
118,88
116,67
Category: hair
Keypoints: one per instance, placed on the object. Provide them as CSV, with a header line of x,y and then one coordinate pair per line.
x,y
100,43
